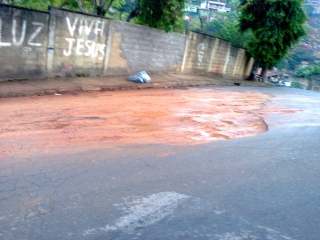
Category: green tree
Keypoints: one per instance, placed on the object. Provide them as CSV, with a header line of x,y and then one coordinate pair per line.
x,y
307,50
162,14
36,4
233,4
225,25
307,71
275,25
97,7
124,10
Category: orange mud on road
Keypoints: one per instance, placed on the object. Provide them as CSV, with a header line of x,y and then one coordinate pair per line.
x,y
107,119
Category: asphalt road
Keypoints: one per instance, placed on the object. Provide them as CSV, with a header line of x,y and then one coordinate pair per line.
x,y
261,187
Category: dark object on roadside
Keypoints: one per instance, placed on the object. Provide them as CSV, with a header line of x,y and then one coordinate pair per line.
x,y
237,84
141,77
254,77
258,77
251,77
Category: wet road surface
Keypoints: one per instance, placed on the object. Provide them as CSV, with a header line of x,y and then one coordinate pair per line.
x,y
171,116
169,185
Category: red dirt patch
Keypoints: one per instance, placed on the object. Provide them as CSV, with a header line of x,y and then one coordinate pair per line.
x,y
107,119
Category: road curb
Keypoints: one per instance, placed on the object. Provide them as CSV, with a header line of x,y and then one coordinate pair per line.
x,y
52,86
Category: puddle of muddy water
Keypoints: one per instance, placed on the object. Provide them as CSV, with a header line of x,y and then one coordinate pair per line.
x,y
175,117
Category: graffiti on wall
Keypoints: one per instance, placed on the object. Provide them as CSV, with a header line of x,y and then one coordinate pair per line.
x,y
19,33
85,45
201,53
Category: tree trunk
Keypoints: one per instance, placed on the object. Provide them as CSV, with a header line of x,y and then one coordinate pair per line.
x,y
264,74
109,6
80,5
63,4
100,10
201,24
133,14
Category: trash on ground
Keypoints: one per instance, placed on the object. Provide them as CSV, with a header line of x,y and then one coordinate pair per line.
x,y
141,77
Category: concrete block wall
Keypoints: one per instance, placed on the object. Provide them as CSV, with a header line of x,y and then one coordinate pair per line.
x,y
220,55
208,54
77,43
239,64
135,48
66,43
23,42
198,54
236,62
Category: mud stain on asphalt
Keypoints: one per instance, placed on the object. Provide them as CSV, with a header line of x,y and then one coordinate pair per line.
x,y
166,116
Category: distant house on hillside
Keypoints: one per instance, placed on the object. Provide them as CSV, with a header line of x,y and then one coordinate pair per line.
x,y
191,9
214,6
274,74
209,6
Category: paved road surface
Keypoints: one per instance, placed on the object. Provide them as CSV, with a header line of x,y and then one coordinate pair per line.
x,y
261,187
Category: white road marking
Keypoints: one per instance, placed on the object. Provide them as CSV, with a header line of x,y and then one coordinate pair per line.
x,y
143,212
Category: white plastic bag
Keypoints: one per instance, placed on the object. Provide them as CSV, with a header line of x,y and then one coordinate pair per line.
x,y
141,77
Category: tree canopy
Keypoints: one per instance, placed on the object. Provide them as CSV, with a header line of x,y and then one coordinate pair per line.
x,y
308,48
274,25
97,7
162,14
225,25
307,71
